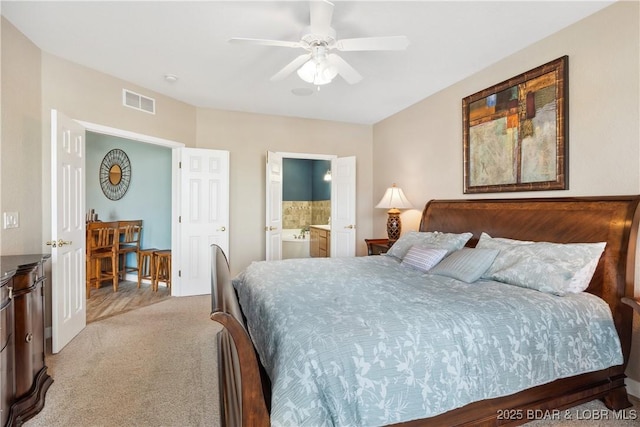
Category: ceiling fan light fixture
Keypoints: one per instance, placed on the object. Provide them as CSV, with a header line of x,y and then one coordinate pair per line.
x,y
319,66
327,71
318,72
308,71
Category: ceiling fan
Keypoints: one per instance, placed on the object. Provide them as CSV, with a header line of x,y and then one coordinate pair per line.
x,y
318,65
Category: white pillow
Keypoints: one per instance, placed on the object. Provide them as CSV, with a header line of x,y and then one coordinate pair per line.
x,y
423,258
530,264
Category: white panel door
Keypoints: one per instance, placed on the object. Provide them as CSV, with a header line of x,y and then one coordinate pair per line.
x,y
68,287
343,207
273,222
204,218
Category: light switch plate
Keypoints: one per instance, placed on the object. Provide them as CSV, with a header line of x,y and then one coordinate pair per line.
x,y
11,220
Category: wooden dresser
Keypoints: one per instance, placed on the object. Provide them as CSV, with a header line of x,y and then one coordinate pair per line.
x,y
24,378
320,241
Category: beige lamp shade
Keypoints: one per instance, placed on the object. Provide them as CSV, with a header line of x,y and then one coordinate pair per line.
x,y
394,200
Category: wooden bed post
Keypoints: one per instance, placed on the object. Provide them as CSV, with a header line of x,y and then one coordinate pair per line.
x,y
242,401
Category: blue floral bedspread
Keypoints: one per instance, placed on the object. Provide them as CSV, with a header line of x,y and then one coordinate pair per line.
x,y
365,341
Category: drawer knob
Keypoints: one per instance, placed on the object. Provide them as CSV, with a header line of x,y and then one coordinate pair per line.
x,y
29,337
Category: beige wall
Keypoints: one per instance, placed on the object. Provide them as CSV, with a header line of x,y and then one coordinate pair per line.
x,y
35,82
90,96
248,137
420,148
20,156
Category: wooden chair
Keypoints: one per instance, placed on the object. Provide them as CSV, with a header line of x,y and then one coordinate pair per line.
x,y
102,244
162,265
146,266
129,243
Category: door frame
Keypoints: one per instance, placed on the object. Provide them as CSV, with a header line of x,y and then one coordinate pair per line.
x,y
308,156
175,174
121,133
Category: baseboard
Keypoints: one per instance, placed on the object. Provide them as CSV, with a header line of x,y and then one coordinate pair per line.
x,y
633,387
133,277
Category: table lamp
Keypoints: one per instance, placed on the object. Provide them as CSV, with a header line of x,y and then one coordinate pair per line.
x,y
394,200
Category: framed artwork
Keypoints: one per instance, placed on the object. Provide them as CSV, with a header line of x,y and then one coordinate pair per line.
x,y
515,134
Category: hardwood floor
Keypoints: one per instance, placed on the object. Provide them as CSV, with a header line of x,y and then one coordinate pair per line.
x,y
104,302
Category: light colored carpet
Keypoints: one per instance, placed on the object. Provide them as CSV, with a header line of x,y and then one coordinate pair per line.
x,y
590,414
154,366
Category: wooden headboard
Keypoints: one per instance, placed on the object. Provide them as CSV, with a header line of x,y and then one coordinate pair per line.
x,y
612,219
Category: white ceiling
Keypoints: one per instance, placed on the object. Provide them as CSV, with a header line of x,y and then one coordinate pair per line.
x,y
142,41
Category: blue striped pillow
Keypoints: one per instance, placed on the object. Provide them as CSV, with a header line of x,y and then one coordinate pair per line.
x,y
466,264
422,258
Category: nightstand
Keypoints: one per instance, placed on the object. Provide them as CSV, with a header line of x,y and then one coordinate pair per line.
x,y
377,246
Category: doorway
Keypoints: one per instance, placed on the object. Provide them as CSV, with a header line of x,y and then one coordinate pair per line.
x,y
306,202
199,201
343,199
147,198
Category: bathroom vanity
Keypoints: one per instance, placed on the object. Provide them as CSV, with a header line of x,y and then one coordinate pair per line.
x,y
320,240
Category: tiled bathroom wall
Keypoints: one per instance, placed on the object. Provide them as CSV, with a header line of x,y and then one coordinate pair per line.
x,y
301,214
320,212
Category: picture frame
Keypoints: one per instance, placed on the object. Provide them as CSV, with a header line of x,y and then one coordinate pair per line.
x,y
515,134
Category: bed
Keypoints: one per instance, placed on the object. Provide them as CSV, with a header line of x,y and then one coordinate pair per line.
x,y
246,391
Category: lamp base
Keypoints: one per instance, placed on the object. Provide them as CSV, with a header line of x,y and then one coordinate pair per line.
x,y
394,226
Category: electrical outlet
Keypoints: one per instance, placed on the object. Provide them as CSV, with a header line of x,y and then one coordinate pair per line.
x,y
11,220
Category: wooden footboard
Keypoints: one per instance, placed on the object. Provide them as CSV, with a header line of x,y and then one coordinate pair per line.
x,y
242,401
245,390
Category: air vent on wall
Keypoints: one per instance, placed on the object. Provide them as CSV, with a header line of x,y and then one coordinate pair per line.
x,y
139,102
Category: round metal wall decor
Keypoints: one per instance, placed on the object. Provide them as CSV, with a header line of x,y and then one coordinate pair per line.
x,y
115,174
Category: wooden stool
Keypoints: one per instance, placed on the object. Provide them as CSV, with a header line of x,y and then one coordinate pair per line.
x,y
163,268
146,266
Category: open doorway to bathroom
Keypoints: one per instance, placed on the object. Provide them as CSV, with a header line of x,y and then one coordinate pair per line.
x,y
306,204
339,236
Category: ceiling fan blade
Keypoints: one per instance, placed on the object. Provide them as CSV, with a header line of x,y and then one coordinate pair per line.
x,y
348,73
265,42
321,13
373,43
291,67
